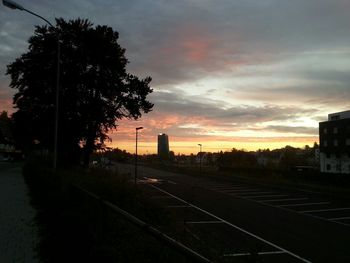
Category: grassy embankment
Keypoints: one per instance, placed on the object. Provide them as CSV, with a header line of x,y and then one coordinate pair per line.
x,y
77,228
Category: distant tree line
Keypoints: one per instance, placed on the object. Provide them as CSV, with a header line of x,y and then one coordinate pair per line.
x,y
286,158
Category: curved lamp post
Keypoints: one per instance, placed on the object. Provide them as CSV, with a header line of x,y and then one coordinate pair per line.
x,y
13,5
136,130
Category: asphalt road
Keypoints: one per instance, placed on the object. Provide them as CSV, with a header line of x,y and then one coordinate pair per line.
x,y
232,221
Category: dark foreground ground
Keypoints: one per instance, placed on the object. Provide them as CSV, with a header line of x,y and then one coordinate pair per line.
x,y
18,230
223,220
234,221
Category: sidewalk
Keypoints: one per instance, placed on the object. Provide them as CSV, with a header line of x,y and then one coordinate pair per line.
x,y
18,231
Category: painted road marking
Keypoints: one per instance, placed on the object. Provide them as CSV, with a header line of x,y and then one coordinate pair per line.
x,y
204,222
339,218
305,204
234,226
249,254
325,210
261,196
286,199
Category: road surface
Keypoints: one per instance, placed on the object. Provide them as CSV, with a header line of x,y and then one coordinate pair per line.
x,y
18,231
232,221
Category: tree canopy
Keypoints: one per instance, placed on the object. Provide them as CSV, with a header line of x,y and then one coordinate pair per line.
x,y
95,89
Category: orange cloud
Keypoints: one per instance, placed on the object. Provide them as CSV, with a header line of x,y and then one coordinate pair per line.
x,y
196,49
185,140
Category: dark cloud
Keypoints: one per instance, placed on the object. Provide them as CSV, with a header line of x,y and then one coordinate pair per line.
x,y
174,103
276,60
330,92
297,129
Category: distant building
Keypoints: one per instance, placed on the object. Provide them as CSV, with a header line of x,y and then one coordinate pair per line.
x,y
335,143
163,146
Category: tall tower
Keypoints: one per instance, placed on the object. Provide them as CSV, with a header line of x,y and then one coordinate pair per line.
x,y
163,146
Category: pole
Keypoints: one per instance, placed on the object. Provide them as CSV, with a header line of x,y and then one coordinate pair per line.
x,y
136,129
200,159
13,5
57,102
136,158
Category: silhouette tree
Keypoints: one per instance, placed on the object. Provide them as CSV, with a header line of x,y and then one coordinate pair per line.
x,y
95,89
6,136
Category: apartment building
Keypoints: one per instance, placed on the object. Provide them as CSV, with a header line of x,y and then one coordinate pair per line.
x,y
335,143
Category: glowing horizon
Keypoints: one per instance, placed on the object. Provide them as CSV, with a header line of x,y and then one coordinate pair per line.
x,y
149,145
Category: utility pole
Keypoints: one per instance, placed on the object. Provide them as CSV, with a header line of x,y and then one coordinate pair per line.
x,y
200,158
13,5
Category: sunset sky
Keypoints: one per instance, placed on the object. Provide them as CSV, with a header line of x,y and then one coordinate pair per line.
x,y
236,73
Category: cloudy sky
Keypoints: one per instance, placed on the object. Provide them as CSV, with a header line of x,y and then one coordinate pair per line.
x,y
226,73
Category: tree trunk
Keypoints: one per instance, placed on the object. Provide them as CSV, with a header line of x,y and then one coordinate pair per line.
x,y
88,149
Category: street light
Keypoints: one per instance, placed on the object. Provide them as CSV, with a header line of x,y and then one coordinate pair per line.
x,y
200,158
13,5
136,129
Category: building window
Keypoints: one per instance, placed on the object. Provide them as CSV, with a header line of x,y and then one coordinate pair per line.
x,y
328,155
335,117
325,143
328,167
325,130
335,130
338,168
347,142
335,142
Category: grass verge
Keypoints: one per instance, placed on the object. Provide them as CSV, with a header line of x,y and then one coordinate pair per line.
x,y
74,228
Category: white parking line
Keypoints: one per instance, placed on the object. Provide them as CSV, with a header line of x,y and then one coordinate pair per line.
x,y
305,204
287,199
249,254
260,196
232,225
339,218
204,222
325,210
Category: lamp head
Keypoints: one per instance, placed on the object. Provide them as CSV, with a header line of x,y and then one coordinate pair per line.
x,y
139,128
11,4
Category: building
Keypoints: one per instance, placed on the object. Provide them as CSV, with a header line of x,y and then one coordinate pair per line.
x,y
335,143
163,146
